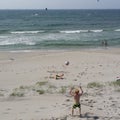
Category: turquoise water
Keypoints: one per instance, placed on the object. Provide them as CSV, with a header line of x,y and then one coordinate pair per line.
x,y
58,29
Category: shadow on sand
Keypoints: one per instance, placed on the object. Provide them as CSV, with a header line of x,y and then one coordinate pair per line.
x,y
89,116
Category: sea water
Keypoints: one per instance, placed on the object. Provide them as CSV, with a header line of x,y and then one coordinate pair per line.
x,y
58,29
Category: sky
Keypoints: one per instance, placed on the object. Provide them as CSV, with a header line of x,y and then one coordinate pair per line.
x,y
60,4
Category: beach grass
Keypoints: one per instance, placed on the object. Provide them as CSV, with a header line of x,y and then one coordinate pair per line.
x,y
41,83
38,88
17,94
63,89
115,83
45,87
40,91
94,85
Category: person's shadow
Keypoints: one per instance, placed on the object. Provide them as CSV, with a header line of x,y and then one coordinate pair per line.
x,y
93,117
89,115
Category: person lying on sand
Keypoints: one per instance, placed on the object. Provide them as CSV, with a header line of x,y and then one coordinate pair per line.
x,y
57,76
77,93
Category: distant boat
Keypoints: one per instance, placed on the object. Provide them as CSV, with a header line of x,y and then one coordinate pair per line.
x,y
46,9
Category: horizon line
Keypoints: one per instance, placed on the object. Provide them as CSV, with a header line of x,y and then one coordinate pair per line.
x,y
60,9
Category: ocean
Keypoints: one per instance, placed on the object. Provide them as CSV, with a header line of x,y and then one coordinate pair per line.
x,y
58,29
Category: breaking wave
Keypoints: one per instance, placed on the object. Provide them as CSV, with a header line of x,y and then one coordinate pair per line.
x,y
26,32
80,31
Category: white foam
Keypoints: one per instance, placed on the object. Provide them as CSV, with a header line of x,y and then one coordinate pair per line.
x,y
73,31
29,43
96,30
81,31
18,41
19,51
2,37
26,32
6,42
118,30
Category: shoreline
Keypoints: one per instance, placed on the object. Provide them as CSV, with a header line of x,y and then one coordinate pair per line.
x,y
100,48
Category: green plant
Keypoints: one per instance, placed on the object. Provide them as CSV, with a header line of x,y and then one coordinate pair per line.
x,y
63,89
115,83
41,83
17,94
94,84
117,90
24,87
40,91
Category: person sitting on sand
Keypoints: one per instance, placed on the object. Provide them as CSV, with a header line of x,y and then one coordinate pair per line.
x,y
57,76
76,94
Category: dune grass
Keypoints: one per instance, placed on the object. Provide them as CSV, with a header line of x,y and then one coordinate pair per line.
x,y
115,83
17,94
38,88
63,89
94,85
40,91
41,83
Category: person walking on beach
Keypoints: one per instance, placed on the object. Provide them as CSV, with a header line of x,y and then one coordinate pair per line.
x,y
104,43
76,94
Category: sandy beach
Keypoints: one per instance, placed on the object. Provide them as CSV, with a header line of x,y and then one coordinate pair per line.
x,y
28,92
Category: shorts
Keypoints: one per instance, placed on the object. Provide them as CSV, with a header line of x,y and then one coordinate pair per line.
x,y
77,105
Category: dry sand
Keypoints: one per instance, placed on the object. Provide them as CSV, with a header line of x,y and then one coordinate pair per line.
x,y
28,93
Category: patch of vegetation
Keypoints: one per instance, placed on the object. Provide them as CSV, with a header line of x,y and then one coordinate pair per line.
x,y
17,94
52,86
40,91
63,89
94,85
117,90
38,88
51,89
23,87
41,83
115,83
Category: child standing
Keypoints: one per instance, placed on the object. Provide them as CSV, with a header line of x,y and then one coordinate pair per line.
x,y
76,94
